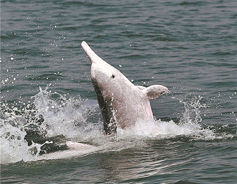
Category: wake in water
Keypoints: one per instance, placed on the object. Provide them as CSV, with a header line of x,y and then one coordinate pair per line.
x,y
51,120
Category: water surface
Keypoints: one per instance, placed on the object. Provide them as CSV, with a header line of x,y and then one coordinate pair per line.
x,y
46,89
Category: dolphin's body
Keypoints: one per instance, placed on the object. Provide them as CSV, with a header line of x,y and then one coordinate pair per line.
x,y
121,102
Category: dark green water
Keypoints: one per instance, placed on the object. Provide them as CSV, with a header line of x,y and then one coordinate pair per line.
x,y
188,46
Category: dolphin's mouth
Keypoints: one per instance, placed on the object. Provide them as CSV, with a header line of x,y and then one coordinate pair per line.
x,y
90,53
110,125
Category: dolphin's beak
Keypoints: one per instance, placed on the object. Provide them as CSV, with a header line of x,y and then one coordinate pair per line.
x,y
90,53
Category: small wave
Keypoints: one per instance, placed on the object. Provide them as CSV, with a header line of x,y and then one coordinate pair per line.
x,y
193,3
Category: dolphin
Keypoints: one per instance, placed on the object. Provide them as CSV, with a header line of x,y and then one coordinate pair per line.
x,y
121,103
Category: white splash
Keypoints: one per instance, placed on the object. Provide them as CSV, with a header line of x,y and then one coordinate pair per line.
x,y
78,120
63,116
188,125
13,146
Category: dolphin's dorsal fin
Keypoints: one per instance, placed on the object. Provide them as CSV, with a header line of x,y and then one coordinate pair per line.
x,y
154,91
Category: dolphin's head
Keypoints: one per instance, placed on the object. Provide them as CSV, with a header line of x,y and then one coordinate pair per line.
x,y
105,76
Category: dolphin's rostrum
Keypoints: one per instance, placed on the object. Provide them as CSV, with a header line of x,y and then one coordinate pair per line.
x,y
121,102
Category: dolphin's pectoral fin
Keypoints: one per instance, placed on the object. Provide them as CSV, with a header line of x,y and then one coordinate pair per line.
x,y
155,91
141,87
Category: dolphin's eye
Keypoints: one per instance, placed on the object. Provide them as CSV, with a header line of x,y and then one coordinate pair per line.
x,y
113,76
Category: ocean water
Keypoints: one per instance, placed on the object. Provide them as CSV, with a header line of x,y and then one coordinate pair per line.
x,y
47,97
